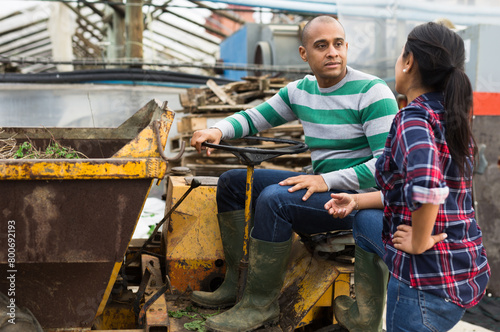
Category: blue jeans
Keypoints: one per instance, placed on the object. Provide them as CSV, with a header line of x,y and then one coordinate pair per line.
x,y
367,231
277,212
408,309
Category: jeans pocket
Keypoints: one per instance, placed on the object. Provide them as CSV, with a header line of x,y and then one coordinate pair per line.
x,y
410,309
403,310
439,314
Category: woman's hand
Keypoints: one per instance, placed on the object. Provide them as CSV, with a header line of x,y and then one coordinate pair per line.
x,y
402,240
341,205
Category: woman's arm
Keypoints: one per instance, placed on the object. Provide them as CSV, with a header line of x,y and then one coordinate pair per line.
x,y
343,204
418,238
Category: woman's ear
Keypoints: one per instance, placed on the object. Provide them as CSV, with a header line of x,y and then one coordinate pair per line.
x,y
409,63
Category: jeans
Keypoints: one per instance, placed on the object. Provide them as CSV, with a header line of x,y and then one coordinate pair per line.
x,y
277,212
367,231
408,309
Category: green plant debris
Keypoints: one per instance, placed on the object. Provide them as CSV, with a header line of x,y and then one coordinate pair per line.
x,y
181,313
10,149
198,322
54,150
151,229
196,325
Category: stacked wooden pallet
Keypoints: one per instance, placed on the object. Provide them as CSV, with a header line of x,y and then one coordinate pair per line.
x,y
203,107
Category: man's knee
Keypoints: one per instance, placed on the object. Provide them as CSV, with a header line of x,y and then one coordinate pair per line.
x,y
231,178
366,220
272,196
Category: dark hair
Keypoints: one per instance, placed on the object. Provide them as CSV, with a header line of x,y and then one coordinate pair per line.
x,y
323,19
440,54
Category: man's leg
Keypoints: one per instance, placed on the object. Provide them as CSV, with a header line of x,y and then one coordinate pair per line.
x,y
367,231
277,213
370,276
231,192
231,187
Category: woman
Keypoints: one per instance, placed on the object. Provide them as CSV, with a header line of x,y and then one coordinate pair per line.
x,y
430,240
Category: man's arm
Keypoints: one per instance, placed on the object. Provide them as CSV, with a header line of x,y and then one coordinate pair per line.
x,y
212,135
271,113
377,109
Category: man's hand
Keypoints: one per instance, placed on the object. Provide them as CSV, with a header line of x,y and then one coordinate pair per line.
x,y
212,135
402,240
313,184
340,205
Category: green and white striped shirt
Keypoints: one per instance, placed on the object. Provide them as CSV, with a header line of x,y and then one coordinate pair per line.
x,y
345,126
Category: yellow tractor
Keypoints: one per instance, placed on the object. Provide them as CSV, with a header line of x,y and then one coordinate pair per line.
x,y
69,262
187,255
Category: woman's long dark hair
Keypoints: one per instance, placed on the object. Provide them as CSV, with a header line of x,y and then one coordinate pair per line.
x,y
440,55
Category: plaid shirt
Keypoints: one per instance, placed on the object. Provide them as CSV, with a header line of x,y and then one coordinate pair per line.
x,y
417,168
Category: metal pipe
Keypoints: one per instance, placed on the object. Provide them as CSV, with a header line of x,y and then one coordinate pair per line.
x,y
243,267
194,184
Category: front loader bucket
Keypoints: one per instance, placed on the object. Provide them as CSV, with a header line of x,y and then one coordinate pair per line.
x,y
70,221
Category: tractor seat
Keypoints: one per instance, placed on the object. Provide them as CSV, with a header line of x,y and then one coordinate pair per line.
x,y
333,242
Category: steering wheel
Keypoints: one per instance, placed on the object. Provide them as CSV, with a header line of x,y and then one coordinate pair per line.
x,y
254,156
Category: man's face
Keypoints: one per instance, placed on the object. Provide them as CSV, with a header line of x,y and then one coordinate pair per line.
x,y
326,52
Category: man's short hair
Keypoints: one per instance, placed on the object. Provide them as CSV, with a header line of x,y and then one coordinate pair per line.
x,y
322,19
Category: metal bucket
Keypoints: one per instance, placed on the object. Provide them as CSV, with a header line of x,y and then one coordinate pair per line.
x,y
66,223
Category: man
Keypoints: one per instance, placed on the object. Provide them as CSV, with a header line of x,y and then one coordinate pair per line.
x,y
346,116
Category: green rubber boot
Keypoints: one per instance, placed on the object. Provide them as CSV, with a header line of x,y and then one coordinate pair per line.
x,y
231,225
370,287
259,305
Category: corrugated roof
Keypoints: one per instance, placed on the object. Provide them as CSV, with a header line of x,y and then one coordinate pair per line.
x,y
184,34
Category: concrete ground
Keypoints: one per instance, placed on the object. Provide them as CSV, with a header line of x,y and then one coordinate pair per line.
x,y
467,327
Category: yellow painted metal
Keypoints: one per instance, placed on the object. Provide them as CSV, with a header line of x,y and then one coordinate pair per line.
x,y
82,169
138,159
116,316
324,306
248,210
307,279
326,299
315,314
137,148
156,316
321,307
145,144
343,283
193,248
109,287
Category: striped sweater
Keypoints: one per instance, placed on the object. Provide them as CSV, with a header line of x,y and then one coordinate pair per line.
x,y
345,126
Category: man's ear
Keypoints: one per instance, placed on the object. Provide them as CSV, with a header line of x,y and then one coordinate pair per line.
x,y
303,53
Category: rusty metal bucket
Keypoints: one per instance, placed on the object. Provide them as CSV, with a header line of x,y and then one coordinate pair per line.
x,y
66,223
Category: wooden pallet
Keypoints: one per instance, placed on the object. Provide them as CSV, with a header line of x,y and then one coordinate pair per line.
x,y
215,102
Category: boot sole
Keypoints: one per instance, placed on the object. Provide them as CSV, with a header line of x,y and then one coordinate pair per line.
x,y
210,306
267,324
